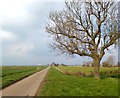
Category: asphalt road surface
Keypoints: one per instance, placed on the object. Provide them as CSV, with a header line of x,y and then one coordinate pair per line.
x,y
27,86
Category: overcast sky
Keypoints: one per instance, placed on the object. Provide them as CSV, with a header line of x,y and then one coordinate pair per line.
x,y
24,40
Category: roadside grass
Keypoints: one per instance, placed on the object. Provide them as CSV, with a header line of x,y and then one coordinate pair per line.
x,y
58,84
11,74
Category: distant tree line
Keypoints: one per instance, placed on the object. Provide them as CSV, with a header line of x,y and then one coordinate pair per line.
x,y
56,64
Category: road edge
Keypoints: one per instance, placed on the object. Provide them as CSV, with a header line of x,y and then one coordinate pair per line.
x,y
42,83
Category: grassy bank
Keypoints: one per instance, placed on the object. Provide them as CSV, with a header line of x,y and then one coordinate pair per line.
x,y
58,84
11,74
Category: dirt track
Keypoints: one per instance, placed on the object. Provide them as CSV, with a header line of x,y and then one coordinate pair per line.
x,y
27,86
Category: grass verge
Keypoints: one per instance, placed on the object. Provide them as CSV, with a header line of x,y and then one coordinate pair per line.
x,y
58,84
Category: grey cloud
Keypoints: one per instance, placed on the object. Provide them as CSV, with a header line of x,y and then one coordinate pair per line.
x,y
32,31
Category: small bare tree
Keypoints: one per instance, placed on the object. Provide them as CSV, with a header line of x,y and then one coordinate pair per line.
x,y
84,28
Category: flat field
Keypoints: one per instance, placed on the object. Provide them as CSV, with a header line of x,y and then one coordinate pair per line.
x,y
11,74
75,69
59,84
89,71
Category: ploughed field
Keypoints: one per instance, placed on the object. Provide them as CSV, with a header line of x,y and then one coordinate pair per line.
x,y
69,84
11,74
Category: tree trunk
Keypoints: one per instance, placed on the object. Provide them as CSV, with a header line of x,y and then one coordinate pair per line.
x,y
96,63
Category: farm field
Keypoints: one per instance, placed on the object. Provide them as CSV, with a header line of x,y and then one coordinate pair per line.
x,y
73,70
11,74
59,84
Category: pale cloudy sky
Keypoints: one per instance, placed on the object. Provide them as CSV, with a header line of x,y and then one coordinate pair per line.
x,y
24,40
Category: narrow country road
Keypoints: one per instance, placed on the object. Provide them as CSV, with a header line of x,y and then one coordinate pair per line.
x,y
27,86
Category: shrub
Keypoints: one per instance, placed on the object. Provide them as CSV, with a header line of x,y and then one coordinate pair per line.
x,y
67,73
106,64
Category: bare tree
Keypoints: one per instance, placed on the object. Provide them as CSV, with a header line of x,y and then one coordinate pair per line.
x,y
84,28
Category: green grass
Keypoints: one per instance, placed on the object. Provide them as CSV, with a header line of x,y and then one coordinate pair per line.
x,y
74,69
11,74
58,84
89,71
